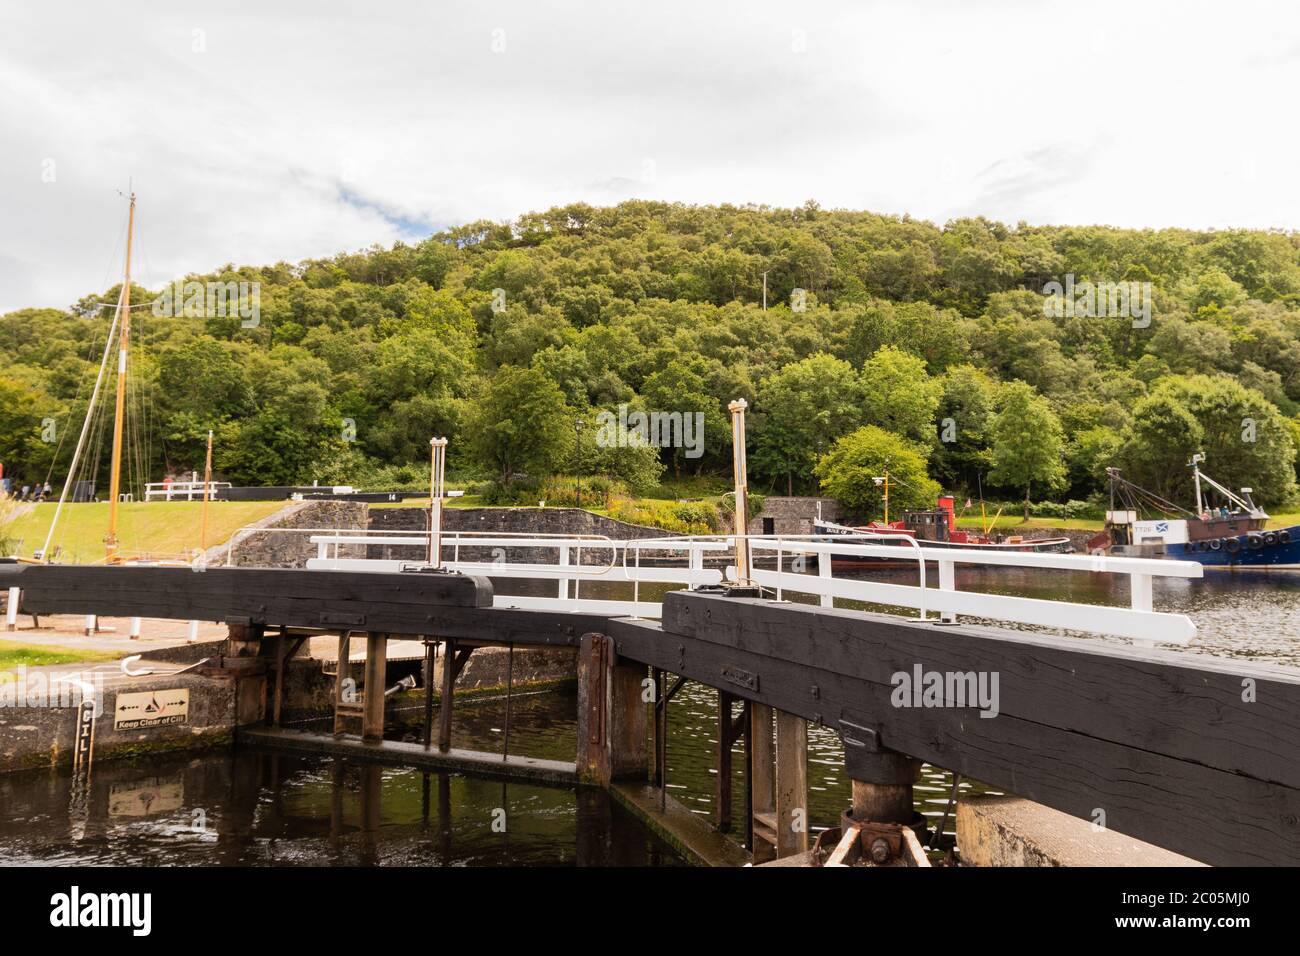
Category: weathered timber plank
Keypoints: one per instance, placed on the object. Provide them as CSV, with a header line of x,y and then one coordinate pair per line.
x,y
70,588
1190,708
1211,815
399,604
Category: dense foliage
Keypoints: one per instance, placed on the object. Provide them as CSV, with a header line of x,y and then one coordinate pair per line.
x,y
503,336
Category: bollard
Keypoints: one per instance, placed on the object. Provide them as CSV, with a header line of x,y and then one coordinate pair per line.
x,y
11,610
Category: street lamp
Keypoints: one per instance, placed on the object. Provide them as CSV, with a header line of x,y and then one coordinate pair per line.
x,y
578,426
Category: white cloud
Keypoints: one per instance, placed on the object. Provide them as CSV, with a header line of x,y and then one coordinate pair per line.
x,y
304,129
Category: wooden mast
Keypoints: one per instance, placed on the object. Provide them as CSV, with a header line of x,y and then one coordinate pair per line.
x,y
124,345
207,488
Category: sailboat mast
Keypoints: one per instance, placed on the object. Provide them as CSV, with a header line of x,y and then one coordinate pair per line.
x,y
207,491
123,349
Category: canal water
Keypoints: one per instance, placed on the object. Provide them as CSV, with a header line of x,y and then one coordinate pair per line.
x,y
248,808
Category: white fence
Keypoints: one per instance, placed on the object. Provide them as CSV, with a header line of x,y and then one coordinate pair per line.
x,y
568,572
1138,621
181,490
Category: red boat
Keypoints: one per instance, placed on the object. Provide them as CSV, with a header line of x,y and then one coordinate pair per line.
x,y
931,529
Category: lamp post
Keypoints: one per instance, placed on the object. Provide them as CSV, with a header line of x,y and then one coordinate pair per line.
x,y
578,426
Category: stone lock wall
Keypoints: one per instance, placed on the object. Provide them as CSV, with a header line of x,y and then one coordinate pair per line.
x,y
286,542
509,521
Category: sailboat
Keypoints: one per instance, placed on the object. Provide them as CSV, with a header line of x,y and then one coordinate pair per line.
x,y
119,334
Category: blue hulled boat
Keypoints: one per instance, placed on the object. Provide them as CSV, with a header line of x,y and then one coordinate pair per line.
x,y
1229,532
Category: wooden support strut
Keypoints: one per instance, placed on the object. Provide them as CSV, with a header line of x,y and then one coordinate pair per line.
x,y
282,659
372,717
762,761
611,714
730,730
791,784
453,663
430,657
344,692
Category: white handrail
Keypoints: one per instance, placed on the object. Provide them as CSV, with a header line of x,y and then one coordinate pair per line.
x,y
1138,621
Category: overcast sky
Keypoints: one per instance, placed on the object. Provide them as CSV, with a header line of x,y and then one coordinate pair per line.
x,y
255,132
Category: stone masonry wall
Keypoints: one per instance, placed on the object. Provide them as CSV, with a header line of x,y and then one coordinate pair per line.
x,y
517,521
795,515
280,546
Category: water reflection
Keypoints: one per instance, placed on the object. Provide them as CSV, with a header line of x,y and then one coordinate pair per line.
x,y
250,809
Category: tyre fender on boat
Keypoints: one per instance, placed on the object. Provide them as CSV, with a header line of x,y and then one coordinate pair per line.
x,y
1284,537
1254,542
1216,544
1232,545
1270,538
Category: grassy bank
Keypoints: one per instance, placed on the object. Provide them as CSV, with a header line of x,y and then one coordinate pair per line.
x,y
159,529
14,655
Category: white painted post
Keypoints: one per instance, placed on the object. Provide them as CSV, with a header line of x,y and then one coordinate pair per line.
x,y
779,555
194,633
564,563
135,629
824,572
90,624
947,582
1141,587
11,610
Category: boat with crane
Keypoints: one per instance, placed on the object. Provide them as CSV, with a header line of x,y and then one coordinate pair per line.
x,y
1227,530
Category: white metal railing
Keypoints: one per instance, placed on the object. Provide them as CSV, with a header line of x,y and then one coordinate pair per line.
x,y
1138,621
568,571
181,490
769,569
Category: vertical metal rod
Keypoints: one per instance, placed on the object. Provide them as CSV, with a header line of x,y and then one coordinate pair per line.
x,y
943,822
510,676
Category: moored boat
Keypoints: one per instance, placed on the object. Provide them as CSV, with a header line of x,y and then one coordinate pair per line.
x,y
936,528
1230,534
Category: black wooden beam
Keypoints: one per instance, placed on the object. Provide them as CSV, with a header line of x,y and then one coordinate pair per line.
x,y
1192,753
1082,726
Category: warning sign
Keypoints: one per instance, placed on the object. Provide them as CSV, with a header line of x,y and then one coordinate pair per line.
x,y
151,708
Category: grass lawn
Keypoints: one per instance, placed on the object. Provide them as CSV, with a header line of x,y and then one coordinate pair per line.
x,y
159,529
35,655
1284,520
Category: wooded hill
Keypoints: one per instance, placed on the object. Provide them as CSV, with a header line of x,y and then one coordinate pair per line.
x,y
501,335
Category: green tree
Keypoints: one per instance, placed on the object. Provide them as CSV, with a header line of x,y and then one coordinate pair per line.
x,y
848,472
520,424
1246,440
898,394
1028,443
965,415
799,411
